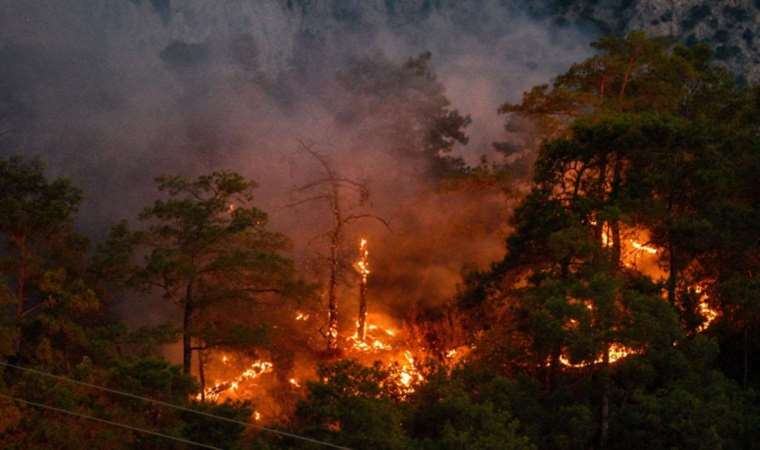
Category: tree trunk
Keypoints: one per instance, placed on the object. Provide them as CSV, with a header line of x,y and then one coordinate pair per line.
x,y
672,273
21,275
616,242
202,373
332,295
361,323
615,223
626,80
551,379
745,375
604,416
601,192
187,349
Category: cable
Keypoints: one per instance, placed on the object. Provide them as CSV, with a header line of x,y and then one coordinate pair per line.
x,y
171,405
108,422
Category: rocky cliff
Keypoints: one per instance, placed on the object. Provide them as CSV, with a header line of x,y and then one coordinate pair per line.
x,y
730,26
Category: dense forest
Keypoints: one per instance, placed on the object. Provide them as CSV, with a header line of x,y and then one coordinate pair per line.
x,y
620,309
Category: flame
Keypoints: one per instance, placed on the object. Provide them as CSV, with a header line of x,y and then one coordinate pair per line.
x,y
708,313
606,235
370,343
641,247
641,256
409,374
255,370
615,353
256,416
362,265
294,382
301,316
397,356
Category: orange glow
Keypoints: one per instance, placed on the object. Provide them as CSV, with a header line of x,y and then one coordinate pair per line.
x,y
255,370
408,375
708,313
615,353
646,248
362,265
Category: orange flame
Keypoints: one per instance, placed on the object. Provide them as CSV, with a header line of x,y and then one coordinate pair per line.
x,y
362,265
615,353
255,370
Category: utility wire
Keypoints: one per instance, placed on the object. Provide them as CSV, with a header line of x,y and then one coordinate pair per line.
x,y
108,422
170,405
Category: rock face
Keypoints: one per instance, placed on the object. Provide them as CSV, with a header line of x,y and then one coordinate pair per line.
x,y
732,27
279,28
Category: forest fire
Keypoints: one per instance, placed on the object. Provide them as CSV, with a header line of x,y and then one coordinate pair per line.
x,y
615,353
637,253
252,372
371,341
374,340
582,276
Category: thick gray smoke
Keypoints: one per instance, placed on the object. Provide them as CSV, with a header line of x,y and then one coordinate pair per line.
x,y
112,93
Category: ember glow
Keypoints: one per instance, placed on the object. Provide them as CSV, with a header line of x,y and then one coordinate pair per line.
x,y
383,344
362,267
646,248
224,387
615,353
705,310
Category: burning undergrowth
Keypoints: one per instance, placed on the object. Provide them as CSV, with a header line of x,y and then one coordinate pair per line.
x,y
385,309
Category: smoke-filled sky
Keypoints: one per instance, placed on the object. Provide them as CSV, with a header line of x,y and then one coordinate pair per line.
x,y
112,93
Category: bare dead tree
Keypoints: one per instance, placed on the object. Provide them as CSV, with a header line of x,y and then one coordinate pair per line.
x,y
332,188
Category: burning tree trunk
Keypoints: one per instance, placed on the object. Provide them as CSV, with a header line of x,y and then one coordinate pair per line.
x,y
362,266
672,272
202,370
331,190
332,295
604,419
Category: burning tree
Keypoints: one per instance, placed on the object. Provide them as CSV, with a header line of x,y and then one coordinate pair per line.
x,y
332,189
362,267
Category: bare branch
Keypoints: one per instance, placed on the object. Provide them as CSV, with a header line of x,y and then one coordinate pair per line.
x,y
30,310
322,159
332,180
353,217
307,200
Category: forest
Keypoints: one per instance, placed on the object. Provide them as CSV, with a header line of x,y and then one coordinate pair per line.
x,y
591,285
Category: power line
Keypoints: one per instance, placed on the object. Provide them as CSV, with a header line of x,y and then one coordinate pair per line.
x,y
170,405
108,422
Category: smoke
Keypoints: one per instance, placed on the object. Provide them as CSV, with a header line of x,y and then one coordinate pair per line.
x,y
113,93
